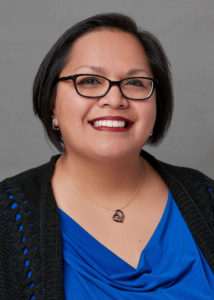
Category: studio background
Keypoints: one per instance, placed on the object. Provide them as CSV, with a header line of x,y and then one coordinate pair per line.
x,y
28,29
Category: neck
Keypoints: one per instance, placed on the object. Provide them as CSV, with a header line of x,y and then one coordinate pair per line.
x,y
108,181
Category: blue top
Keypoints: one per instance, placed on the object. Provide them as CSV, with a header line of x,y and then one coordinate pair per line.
x,y
171,266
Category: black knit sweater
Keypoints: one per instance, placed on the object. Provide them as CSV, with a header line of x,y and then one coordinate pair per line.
x,y
30,237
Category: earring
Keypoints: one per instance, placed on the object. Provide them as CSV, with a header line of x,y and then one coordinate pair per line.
x,y
151,134
53,125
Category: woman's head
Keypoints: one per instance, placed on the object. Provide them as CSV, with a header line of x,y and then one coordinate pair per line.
x,y
45,87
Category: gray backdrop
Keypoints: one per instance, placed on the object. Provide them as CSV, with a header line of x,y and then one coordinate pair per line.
x,y
28,28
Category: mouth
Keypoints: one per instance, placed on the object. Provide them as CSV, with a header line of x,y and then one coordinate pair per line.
x,y
111,123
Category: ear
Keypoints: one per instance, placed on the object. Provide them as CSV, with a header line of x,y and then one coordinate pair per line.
x,y
55,119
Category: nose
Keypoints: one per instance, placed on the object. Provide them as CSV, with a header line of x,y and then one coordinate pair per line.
x,y
114,99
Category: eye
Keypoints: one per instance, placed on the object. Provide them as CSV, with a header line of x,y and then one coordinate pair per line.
x,y
88,80
135,82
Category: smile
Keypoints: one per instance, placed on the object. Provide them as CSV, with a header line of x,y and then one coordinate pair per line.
x,y
111,123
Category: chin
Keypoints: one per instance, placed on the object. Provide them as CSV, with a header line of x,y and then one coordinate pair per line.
x,y
113,154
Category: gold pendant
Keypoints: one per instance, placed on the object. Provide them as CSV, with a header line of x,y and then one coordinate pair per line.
x,y
118,216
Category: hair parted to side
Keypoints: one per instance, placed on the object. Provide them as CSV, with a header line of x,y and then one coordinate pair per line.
x,y
44,87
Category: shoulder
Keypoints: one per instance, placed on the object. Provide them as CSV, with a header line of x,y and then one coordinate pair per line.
x,y
32,176
193,180
186,183
192,191
182,174
195,183
26,183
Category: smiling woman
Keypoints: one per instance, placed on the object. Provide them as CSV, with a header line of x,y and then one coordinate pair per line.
x,y
104,219
99,99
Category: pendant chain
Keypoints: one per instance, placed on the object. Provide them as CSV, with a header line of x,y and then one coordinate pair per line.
x,y
119,214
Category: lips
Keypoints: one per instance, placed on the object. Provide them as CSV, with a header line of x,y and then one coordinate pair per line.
x,y
111,123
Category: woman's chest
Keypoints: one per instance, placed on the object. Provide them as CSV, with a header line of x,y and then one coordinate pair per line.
x,y
126,240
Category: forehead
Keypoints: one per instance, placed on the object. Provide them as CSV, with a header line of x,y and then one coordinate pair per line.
x,y
109,49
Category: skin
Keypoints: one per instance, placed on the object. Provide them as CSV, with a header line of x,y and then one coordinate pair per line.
x,y
96,164
89,152
104,49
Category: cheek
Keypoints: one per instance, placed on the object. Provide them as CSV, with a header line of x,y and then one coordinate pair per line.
x,y
66,106
71,111
147,113
153,114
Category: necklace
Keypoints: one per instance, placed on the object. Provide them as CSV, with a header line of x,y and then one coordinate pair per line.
x,y
119,215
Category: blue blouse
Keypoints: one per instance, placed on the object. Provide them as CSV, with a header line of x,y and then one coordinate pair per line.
x,y
171,266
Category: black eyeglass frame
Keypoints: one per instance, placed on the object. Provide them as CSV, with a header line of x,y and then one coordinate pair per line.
x,y
111,83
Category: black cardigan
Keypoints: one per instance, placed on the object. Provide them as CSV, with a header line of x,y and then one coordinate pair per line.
x,y
30,237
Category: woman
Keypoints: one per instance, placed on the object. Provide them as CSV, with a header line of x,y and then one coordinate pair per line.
x,y
101,221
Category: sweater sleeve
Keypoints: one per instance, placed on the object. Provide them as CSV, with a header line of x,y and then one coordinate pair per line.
x,y
8,275
20,262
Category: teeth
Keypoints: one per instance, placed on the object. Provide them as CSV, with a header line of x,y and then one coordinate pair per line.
x,y
109,123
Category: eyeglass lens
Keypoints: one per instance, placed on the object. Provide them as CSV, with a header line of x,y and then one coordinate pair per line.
x,y
95,86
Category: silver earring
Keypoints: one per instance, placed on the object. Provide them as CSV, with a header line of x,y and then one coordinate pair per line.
x,y
151,134
53,125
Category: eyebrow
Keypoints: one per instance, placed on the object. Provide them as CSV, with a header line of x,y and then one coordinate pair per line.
x,y
102,70
94,68
135,71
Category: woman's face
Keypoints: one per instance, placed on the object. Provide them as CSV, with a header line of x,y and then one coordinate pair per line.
x,y
115,55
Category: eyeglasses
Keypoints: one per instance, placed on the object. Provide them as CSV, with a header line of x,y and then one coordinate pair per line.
x,y
96,86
